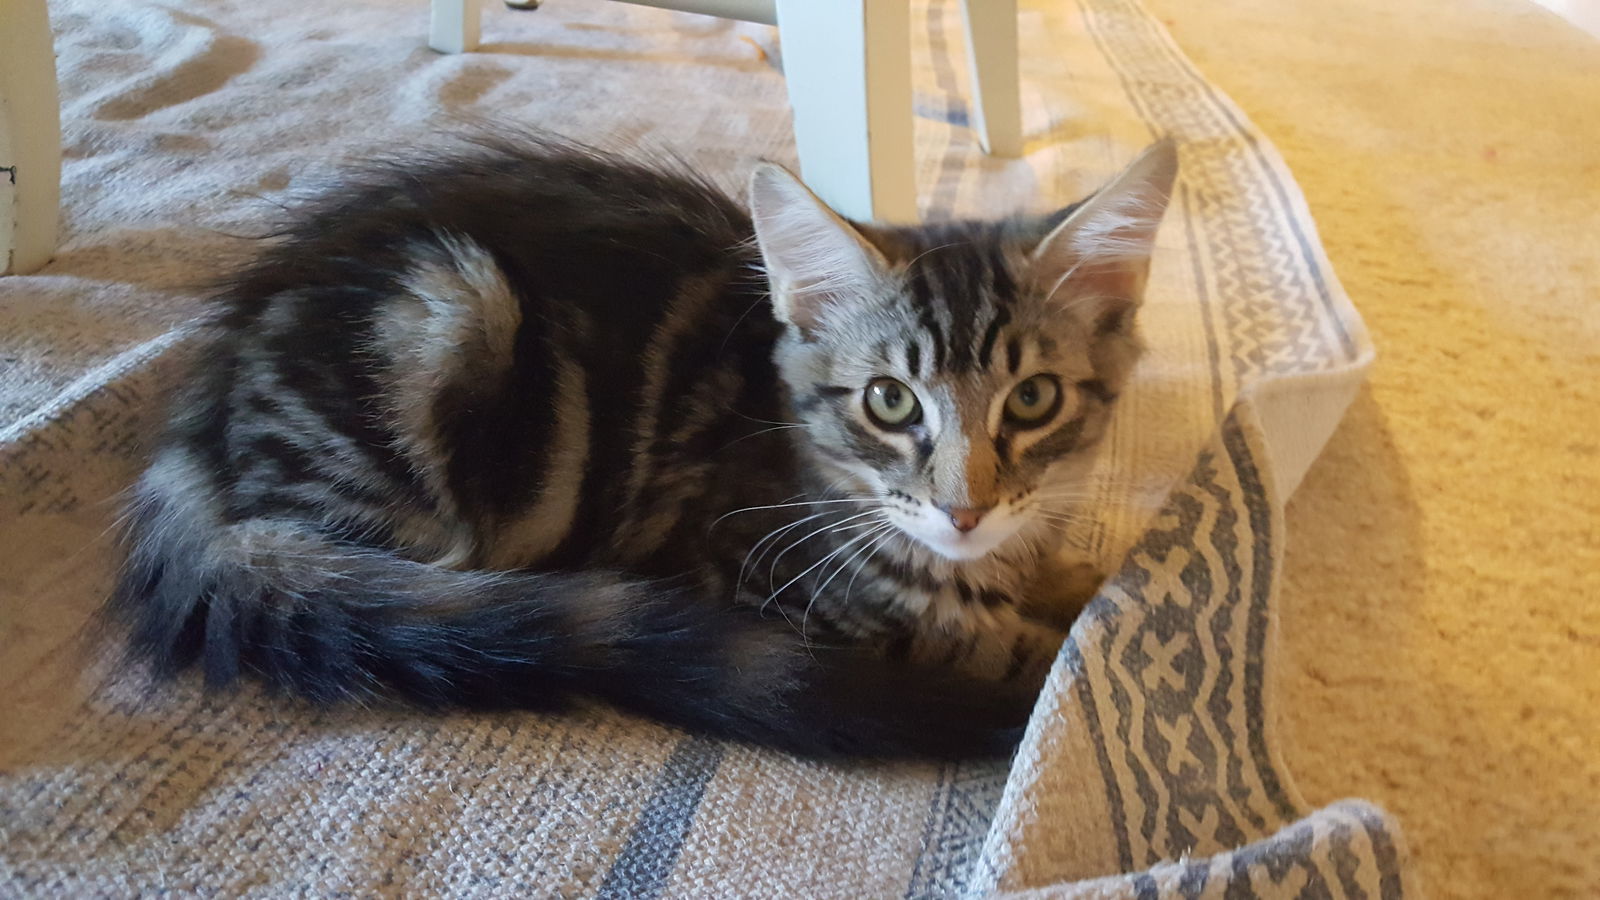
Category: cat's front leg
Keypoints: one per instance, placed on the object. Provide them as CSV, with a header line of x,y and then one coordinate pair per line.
x,y
1059,590
1001,645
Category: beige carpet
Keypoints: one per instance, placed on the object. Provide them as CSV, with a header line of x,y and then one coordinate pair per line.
x,y
1442,589
1154,750
1442,630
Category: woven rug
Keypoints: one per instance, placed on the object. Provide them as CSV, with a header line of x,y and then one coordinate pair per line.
x,y
1151,765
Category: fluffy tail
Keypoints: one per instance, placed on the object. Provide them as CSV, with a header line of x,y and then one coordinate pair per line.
x,y
329,620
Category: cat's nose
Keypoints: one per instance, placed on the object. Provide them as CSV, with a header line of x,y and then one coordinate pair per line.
x,y
965,519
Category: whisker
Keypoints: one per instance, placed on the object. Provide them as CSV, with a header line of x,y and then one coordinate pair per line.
x,y
871,552
773,568
878,530
1069,520
1061,527
1058,505
778,532
932,249
762,421
752,434
1071,509
1046,510
809,569
786,506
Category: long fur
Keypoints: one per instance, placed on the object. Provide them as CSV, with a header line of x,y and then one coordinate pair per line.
x,y
333,621
521,425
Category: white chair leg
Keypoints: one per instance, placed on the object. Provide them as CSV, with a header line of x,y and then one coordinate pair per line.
x,y
848,68
30,138
992,54
455,26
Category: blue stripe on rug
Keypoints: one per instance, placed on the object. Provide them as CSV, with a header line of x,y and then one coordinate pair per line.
x,y
651,853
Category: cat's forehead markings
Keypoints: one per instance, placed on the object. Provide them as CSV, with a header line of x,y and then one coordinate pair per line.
x,y
882,353
991,334
1014,356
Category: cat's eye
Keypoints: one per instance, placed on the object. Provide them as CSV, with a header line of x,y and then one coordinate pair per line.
x,y
1033,401
891,404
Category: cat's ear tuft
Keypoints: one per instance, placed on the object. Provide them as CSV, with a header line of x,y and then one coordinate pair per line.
x,y
1097,260
815,260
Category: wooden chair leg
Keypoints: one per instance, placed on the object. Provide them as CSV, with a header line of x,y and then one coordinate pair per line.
x,y
455,26
848,68
30,138
992,54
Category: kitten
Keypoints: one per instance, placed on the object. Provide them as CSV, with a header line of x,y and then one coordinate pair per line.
x,y
529,424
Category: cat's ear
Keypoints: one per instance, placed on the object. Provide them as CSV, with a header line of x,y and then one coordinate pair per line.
x,y
815,260
1097,260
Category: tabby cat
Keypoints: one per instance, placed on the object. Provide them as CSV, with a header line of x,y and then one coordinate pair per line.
x,y
533,423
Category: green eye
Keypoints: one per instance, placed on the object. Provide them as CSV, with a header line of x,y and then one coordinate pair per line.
x,y
891,404
1034,400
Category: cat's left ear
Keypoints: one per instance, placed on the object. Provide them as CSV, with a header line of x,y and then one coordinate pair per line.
x,y
815,260
1098,259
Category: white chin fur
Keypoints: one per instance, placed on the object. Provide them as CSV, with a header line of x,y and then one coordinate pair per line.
x,y
951,544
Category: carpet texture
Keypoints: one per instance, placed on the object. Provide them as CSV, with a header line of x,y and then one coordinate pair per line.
x,y
1152,766
1442,588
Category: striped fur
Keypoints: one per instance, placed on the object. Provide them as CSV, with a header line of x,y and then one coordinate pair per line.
x,y
522,425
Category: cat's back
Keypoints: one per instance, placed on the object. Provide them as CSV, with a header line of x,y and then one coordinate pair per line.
x,y
482,344
557,218
583,249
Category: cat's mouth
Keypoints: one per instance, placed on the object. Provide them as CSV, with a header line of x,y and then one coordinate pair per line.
x,y
964,547
936,531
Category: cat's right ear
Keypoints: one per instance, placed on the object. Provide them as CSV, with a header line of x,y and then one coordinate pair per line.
x,y
815,260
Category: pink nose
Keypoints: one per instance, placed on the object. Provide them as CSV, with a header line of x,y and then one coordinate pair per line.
x,y
965,519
